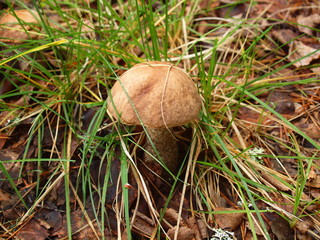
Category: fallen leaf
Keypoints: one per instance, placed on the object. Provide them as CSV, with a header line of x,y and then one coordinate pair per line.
x,y
304,224
228,221
184,233
79,225
172,216
308,22
285,35
251,117
281,202
143,224
281,228
7,200
315,192
310,128
13,167
32,230
199,227
315,183
299,51
11,30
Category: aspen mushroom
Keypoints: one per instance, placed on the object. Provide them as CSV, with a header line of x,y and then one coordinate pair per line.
x,y
160,96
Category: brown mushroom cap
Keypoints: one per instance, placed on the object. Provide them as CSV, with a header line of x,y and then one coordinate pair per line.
x,y
10,27
162,94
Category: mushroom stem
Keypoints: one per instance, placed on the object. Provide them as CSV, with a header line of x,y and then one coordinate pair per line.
x,y
161,143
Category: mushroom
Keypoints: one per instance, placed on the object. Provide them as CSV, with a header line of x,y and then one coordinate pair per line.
x,y
160,96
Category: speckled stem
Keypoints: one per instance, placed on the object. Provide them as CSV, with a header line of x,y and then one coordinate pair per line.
x,y
166,147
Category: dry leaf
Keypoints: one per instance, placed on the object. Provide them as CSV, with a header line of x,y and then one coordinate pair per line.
x,y
308,21
229,221
184,233
281,228
311,129
171,216
12,31
199,227
314,183
253,118
285,35
78,223
303,225
299,51
315,192
143,224
32,230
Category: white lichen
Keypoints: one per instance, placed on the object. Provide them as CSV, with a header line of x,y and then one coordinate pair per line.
x,y
222,235
255,154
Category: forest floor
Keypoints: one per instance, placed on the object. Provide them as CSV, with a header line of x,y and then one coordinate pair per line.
x,y
250,164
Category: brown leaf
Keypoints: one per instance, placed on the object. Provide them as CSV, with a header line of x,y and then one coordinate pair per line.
x,y
308,21
78,222
229,221
172,216
199,227
11,29
4,196
315,192
310,128
315,183
11,166
143,224
32,230
284,36
281,228
7,200
304,224
252,117
184,233
299,51
281,202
